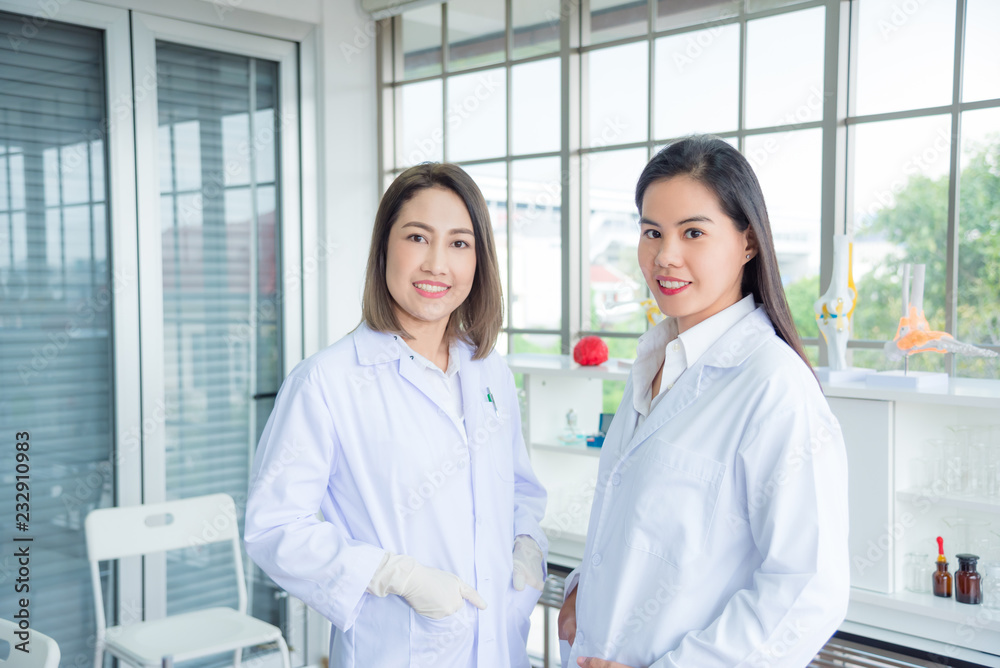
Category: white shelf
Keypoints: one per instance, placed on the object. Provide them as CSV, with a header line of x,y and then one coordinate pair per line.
x,y
585,450
960,502
931,606
971,392
909,640
563,365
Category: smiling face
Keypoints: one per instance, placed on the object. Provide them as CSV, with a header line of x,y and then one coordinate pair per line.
x,y
691,253
430,259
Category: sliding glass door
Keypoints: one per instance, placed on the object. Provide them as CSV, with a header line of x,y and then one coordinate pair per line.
x,y
60,421
219,188
149,209
219,217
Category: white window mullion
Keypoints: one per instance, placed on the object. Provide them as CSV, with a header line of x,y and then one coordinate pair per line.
x,y
151,314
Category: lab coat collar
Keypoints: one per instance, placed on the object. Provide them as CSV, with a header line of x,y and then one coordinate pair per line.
x,y
736,345
381,347
730,350
374,347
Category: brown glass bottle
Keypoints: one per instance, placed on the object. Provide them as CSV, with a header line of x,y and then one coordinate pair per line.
x,y
942,580
968,582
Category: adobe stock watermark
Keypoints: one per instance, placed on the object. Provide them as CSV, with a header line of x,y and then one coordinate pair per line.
x,y
223,7
487,84
457,460
792,120
364,36
87,311
190,210
695,45
85,494
899,15
549,195
918,163
640,620
30,26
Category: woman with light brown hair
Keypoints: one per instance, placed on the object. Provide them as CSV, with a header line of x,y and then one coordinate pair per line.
x,y
406,435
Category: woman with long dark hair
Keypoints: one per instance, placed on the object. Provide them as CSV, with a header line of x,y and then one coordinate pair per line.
x,y
406,436
718,535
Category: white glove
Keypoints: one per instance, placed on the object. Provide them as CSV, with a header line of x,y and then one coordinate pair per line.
x,y
529,568
431,592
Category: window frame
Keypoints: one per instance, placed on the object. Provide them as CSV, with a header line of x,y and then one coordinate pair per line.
x,y
840,68
954,109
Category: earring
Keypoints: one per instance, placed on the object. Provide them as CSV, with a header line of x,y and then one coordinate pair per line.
x,y
748,256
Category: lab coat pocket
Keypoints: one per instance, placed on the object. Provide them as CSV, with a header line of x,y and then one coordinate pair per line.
x,y
673,502
493,434
441,643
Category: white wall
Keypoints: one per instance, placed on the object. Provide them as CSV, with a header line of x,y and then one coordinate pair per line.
x,y
349,175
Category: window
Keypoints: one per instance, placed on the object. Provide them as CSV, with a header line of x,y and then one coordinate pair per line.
x,y
926,137
614,81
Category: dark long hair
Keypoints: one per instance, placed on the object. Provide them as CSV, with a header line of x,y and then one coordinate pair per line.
x,y
724,171
479,318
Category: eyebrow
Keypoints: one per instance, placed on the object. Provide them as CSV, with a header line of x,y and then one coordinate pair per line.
x,y
686,221
428,228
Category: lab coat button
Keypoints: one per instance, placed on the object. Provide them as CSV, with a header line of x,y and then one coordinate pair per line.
x,y
596,559
677,346
616,479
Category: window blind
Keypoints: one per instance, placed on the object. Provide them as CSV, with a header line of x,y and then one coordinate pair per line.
x,y
55,315
218,151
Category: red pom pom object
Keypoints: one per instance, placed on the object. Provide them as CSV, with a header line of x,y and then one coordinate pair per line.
x,y
590,351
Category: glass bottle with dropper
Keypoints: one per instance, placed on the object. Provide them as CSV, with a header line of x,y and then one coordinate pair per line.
x,y
942,578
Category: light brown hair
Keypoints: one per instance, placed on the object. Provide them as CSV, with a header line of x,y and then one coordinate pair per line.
x,y
479,318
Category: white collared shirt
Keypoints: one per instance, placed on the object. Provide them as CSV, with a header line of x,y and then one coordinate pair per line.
x,y
677,352
446,385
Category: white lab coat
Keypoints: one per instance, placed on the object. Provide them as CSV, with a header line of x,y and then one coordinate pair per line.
x,y
355,434
718,534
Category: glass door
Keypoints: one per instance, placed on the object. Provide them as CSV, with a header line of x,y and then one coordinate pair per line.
x,y
217,191
66,406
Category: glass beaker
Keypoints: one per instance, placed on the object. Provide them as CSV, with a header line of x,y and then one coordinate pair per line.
x,y
936,452
976,472
967,535
991,585
992,475
917,571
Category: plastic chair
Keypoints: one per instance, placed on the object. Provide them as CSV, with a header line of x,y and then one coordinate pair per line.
x,y
44,650
115,533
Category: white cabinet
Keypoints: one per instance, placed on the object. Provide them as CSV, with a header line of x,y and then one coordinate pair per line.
x,y
553,385
891,514
887,433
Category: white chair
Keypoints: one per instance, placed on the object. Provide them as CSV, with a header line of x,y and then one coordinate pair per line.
x,y
115,533
44,650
